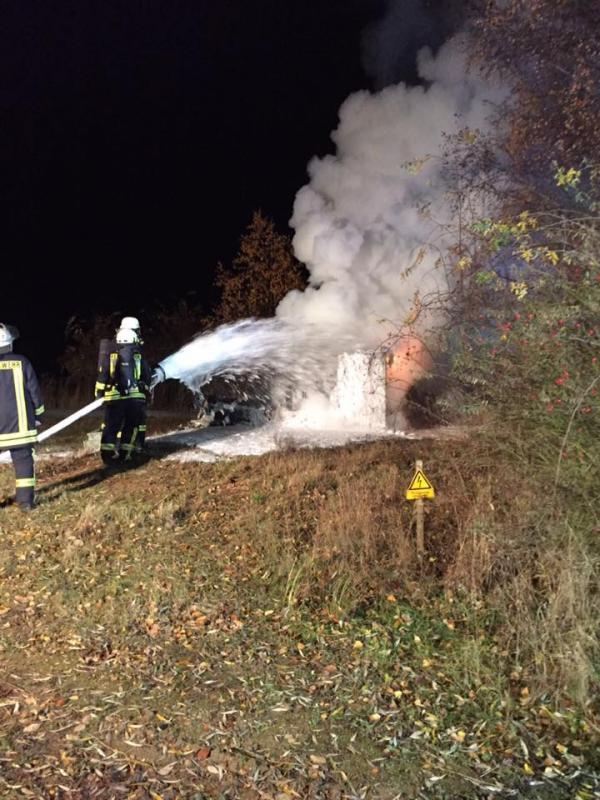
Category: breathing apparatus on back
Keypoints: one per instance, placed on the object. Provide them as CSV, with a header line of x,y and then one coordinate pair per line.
x,y
120,358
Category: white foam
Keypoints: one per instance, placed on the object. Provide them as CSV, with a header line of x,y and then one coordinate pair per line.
x,y
356,404
359,394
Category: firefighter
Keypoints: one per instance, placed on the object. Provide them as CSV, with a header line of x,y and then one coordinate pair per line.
x,y
21,409
133,324
123,381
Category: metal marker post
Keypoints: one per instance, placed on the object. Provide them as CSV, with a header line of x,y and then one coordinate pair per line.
x,y
420,512
420,489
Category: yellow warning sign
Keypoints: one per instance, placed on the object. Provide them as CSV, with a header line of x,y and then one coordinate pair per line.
x,y
420,487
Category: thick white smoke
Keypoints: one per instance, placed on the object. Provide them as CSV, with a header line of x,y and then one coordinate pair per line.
x,y
373,227
374,220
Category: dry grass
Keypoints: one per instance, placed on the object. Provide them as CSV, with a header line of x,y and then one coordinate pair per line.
x,y
363,534
551,608
333,527
195,590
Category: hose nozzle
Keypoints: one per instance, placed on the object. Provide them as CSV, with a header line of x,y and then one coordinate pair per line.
x,y
158,376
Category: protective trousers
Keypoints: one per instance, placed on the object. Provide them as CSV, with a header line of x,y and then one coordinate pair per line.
x,y
22,459
140,441
121,422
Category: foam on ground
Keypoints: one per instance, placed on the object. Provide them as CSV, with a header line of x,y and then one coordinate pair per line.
x,y
214,444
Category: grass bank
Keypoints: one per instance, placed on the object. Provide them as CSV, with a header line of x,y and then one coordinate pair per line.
x,y
259,628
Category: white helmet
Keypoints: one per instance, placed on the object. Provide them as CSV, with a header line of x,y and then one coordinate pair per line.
x,y
129,327
7,335
131,323
127,336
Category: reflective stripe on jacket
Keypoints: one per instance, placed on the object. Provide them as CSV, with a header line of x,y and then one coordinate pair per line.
x,y
20,401
115,363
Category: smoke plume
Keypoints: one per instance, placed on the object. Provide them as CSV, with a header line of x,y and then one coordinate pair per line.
x,y
374,219
373,226
391,44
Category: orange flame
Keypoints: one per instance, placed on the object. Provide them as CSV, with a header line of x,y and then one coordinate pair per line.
x,y
406,363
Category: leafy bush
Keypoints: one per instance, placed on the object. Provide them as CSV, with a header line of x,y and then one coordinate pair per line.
x,y
534,358
530,358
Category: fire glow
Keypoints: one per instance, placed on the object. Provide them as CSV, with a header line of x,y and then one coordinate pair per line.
x,y
409,361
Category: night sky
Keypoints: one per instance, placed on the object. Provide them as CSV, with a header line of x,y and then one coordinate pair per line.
x,y
137,138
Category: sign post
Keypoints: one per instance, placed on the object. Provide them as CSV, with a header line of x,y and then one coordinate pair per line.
x,y
420,488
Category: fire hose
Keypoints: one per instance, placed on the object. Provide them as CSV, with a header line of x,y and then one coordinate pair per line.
x,y
60,426
64,423
157,377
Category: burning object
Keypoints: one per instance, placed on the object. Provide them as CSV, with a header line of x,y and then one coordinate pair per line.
x,y
371,387
262,369
406,363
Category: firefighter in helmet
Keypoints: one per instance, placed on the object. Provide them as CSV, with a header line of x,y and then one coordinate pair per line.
x,y
123,380
21,409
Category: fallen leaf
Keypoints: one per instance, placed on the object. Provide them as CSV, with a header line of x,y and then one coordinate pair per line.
x,y
32,728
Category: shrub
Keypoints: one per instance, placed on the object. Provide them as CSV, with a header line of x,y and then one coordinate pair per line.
x,y
530,349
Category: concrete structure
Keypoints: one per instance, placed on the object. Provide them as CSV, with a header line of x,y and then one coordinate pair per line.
x,y
359,397
371,387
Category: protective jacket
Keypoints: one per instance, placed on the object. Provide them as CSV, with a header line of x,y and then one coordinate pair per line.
x,y
123,372
20,401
